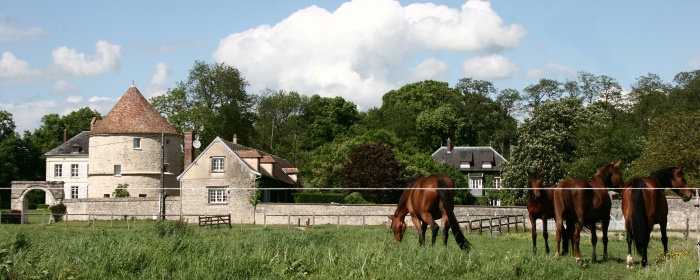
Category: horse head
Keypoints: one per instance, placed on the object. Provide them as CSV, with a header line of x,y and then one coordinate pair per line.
x,y
398,225
610,175
535,183
679,186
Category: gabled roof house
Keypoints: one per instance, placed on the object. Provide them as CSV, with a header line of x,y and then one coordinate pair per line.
x,y
482,164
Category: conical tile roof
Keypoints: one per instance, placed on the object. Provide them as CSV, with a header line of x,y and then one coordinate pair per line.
x,y
133,114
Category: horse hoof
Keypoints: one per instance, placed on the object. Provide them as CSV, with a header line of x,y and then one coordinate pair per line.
x,y
629,261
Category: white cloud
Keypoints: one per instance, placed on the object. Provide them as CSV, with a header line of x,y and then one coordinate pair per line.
x,y
97,99
492,67
63,86
159,81
27,116
430,69
551,70
71,62
362,49
74,99
14,69
693,63
13,34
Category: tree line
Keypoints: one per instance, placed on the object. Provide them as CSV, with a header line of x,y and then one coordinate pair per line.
x,y
567,128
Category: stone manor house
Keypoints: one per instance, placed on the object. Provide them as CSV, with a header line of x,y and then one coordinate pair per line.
x,y
135,145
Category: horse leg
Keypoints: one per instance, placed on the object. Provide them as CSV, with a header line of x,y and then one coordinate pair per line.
x,y
420,226
630,238
533,225
577,239
594,241
568,232
606,223
545,235
434,227
445,230
664,237
559,222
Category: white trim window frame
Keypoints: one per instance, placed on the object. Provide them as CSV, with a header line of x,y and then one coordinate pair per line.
x,y
217,164
74,191
497,182
217,195
74,171
117,170
137,143
58,170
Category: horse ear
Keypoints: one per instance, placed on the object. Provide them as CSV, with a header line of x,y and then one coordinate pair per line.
x,y
541,173
617,165
391,217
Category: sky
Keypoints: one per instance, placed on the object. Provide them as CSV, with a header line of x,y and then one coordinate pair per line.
x,y
60,56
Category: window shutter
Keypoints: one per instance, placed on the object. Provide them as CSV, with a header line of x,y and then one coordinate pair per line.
x,y
82,171
82,192
52,171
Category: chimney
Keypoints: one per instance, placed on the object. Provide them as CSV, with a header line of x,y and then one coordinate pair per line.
x,y
235,139
65,135
449,145
189,150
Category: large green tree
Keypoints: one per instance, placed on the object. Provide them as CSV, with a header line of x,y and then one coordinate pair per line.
x,y
18,160
546,141
373,171
212,102
49,135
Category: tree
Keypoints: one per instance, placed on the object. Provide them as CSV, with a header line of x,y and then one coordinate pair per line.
x,y
373,165
673,140
212,102
280,126
50,134
545,142
121,191
328,118
649,99
546,89
18,160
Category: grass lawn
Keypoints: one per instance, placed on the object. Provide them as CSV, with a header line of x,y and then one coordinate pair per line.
x,y
172,251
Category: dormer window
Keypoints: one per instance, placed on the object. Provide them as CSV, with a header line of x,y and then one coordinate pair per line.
x,y
465,165
76,149
486,164
137,143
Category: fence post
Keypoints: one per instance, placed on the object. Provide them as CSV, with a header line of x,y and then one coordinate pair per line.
x,y
111,220
481,226
338,222
314,221
363,221
289,222
264,220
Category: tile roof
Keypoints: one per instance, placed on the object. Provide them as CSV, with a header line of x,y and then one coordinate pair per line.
x,y
81,140
133,114
475,155
279,166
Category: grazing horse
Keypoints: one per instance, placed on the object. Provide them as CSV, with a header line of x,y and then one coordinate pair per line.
x,y
582,203
428,198
540,206
644,204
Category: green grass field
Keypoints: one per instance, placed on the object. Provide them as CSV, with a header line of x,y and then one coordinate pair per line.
x,y
170,251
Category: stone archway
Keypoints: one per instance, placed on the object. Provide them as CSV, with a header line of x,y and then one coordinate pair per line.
x,y
53,190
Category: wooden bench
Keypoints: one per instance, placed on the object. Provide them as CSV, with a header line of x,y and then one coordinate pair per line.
x,y
215,220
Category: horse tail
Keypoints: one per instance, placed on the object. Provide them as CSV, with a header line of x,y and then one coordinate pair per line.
x,y
448,202
640,220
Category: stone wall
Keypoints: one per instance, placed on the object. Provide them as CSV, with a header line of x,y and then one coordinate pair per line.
x,y
334,214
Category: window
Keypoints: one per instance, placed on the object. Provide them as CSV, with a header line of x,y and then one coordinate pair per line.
x,y
217,164
74,192
167,141
142,195
117,170
465,165
74,171
58,170
496,182
137,143
218,195
476,183
106,195
486,164
76,149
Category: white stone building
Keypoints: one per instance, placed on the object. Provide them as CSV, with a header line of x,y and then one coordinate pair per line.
x,y
69,163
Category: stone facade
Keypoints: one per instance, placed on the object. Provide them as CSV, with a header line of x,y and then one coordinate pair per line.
x,y
140,167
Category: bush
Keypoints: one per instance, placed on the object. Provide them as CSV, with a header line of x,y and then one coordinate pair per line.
x,y
356,198
58,210
31,206
318,197
42,206
121,191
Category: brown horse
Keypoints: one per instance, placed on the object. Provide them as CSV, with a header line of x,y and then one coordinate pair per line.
x,y
644,204
540,206
582,203
428,198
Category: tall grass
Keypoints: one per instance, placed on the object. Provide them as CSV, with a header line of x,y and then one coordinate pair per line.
x,y
171,251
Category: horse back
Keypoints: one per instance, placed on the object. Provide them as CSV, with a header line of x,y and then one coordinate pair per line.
x,y
424,197
574,196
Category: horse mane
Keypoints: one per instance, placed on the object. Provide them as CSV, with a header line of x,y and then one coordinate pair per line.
x,y
664,176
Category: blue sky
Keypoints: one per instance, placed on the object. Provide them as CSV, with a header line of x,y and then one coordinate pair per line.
x,y
59,56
